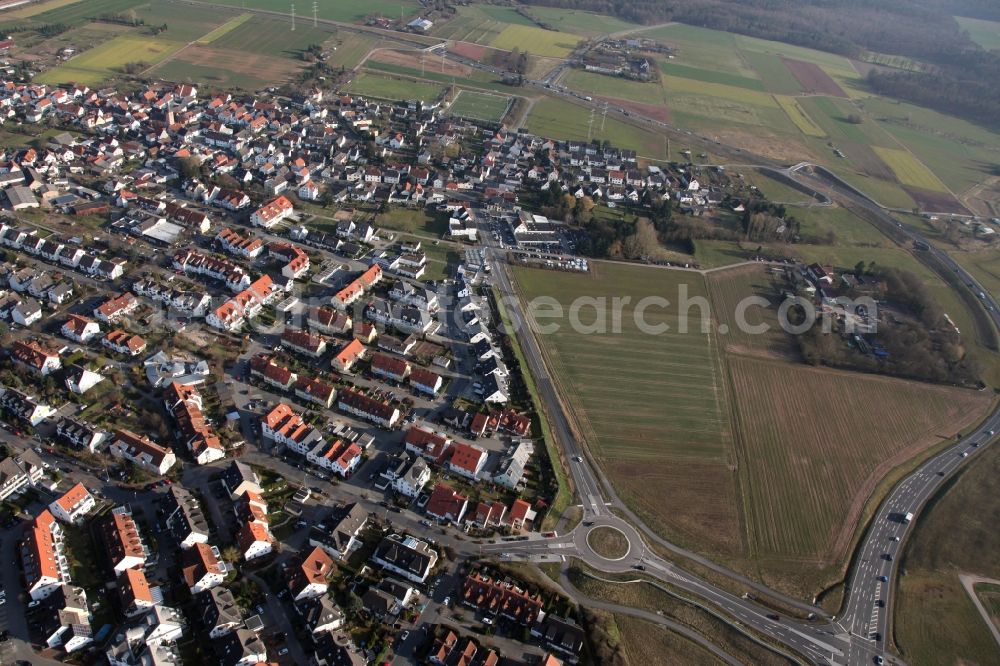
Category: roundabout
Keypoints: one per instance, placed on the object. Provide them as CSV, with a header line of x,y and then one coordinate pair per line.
x,y
609,543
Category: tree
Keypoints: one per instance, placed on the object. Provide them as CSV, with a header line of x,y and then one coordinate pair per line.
x,y
189,168
643,243
231,554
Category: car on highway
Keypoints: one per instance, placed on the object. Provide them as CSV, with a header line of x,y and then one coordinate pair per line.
x,y
884,579
879,659
578,458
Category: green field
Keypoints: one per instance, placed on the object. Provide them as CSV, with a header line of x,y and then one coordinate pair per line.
x,y
984,33
585,24
711,76
104,61
476,78
653,408
479,106
536,41
273,37
909,170
393,88
614,86
80,11
348,11
560,119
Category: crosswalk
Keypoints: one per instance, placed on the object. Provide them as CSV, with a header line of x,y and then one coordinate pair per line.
x,y
873,620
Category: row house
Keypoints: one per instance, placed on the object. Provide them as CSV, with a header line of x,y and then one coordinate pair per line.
x,y
44,563
328,320
234,277
315,391
253,536
24,407
122,542
184,518
117,307
303,342
357,288
267,370
186,303
239,245
380,412
340,457
184,404
286,428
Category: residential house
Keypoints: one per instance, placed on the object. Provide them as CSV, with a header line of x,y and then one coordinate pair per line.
x,y
405,556
142,452
446,505
73,505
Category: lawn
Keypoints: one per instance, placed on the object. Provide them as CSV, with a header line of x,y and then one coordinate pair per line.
x,y
652,408
559,119
799,117
102,62
646,597
936,621
480,106
546,43
909,170
393,88
413,221
608,542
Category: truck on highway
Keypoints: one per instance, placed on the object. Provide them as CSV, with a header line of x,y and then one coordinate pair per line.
x,y
908,517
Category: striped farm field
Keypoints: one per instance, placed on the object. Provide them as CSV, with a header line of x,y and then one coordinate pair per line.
x,y
27,11
534,40
815,443
909,170
225,28
102,62
798,116
653,408
479,106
